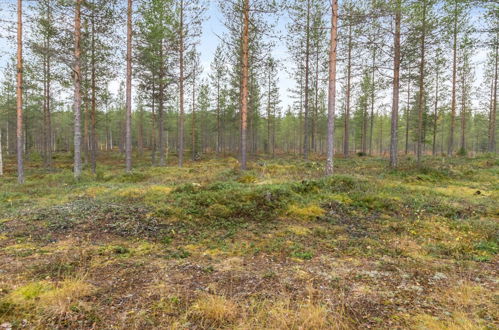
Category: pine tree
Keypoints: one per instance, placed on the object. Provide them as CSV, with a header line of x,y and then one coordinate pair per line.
x,y
396,85
77,90
332,88
20,140
129,89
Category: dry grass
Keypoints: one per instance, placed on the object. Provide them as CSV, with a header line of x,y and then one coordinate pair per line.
x,y
214,311
457,321
47,298
367,248
284,314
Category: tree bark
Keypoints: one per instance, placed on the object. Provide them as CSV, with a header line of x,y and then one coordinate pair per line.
x,y
181,88
77,90
244,83
219,133
435,113
346,138
193,119
331,107
93,137
407,115
307,83
153,124
421,86
128,138
463,109
269,82
373,92
454,78
396,88
492,122
1,154
47,122
20,144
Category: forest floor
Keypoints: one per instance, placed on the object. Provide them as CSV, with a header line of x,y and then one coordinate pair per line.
x,y
276,247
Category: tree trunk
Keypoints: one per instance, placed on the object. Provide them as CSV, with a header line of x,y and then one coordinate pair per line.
x,y
140,135
407,115
435,114
346,138
93,138
20,144
371,117
86,106
77,91
193,119
396,88
421,86
153,124
181,88
244,83
331,107
463,110
307,83
454,78
316,97
128,138
219,133
269,82
364,130
161,142
1,154
47,134
493,110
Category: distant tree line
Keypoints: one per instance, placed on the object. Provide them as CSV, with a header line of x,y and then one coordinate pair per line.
x,y
372,77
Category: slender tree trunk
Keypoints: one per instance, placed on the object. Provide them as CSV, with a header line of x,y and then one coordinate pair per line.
x,y
93,138
193,119
435,112
20,144
140,135
316,98
407,115
181,88
1,154
454,78
269,82
154,121
381,135
307,83
396,88
493,110
331,107
244,83
86,105
77,91
47,148
346,138
128,119
373,92
161,142
463,110
219,133
273,130
421,86
364,130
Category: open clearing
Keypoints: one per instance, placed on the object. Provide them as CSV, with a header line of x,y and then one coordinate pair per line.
x,y
279,246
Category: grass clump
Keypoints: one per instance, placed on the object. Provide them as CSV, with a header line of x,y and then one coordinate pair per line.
x,y
214,311
309,212
232,202
45,299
